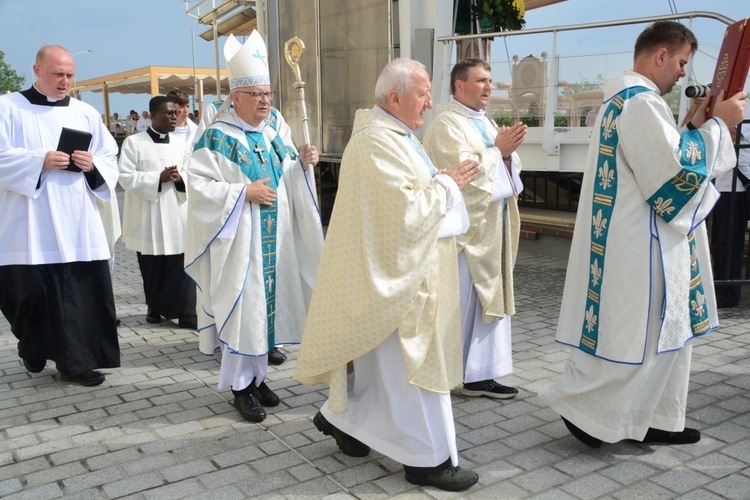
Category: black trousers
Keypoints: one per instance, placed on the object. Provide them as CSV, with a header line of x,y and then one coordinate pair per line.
x,y
726,255
169,291
62,312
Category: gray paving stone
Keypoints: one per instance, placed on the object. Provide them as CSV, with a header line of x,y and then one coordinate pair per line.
x,y
176,491
681,480
359,474
46,491
225,493
628,472
129,486
735,486
10,486
75,484
79,453
644,489
161,417
717,465
541,479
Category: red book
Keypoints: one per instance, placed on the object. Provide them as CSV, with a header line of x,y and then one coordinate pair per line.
x,y
733,62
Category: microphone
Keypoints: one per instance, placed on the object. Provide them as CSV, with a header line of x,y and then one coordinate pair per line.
x,y
693,91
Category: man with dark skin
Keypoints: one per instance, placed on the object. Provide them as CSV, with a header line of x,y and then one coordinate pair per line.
x,y
155,192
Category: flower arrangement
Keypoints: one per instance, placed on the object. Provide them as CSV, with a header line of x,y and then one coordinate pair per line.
x,y
499,15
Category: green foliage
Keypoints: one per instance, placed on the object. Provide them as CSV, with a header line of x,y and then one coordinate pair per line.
x,y
10,81
503,15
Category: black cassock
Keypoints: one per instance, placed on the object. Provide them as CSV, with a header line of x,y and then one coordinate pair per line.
x,y
62,312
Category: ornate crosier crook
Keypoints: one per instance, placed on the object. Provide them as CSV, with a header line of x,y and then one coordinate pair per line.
x,y
293,50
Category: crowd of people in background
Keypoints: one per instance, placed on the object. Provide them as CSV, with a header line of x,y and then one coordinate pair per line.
x,y
135,123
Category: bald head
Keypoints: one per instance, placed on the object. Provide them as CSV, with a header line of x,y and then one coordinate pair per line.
x,y
54,71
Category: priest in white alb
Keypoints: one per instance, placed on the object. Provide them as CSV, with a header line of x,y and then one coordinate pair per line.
x,y
55,285
487,251
639,287
383,330
254,231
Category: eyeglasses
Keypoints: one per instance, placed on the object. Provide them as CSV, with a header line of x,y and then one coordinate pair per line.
x,y
258,96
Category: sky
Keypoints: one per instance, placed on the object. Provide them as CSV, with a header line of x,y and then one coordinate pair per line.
x,y
130,34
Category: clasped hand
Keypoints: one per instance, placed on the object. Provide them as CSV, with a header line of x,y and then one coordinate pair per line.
x,y
509,138
170,174
259,192
463,173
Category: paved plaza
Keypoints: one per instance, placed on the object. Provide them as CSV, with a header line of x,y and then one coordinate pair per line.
x,y
158,428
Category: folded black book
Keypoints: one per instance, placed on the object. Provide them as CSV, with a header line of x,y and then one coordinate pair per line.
x,y
73,140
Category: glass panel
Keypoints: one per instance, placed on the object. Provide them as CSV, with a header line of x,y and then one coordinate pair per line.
x,y
297,18
354,48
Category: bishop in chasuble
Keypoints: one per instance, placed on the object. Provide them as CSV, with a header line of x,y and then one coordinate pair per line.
x,y
383,331
639,286
55,286
487,251
254,234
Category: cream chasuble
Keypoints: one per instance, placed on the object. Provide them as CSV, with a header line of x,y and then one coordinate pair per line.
x,y
384,271
491,243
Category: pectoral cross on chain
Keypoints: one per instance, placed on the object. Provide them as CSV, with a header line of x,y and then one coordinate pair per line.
x,y
261,150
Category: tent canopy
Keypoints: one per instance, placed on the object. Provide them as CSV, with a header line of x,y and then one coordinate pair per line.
x,y
156,80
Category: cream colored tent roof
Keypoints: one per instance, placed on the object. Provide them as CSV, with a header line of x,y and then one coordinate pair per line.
x,y
155,80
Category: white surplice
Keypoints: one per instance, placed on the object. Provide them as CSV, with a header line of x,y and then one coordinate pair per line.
x,y
50,216
155,212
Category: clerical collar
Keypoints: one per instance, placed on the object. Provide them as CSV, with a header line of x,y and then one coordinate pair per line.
x,y
472,112
157,137
35,97
246,127
377,109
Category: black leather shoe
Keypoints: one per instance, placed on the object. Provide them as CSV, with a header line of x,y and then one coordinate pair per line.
x,y
249,407
658,436
153,317
189,322
582,436
88,378
349,445
34,366
449,479
264,395
276,357
488,388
